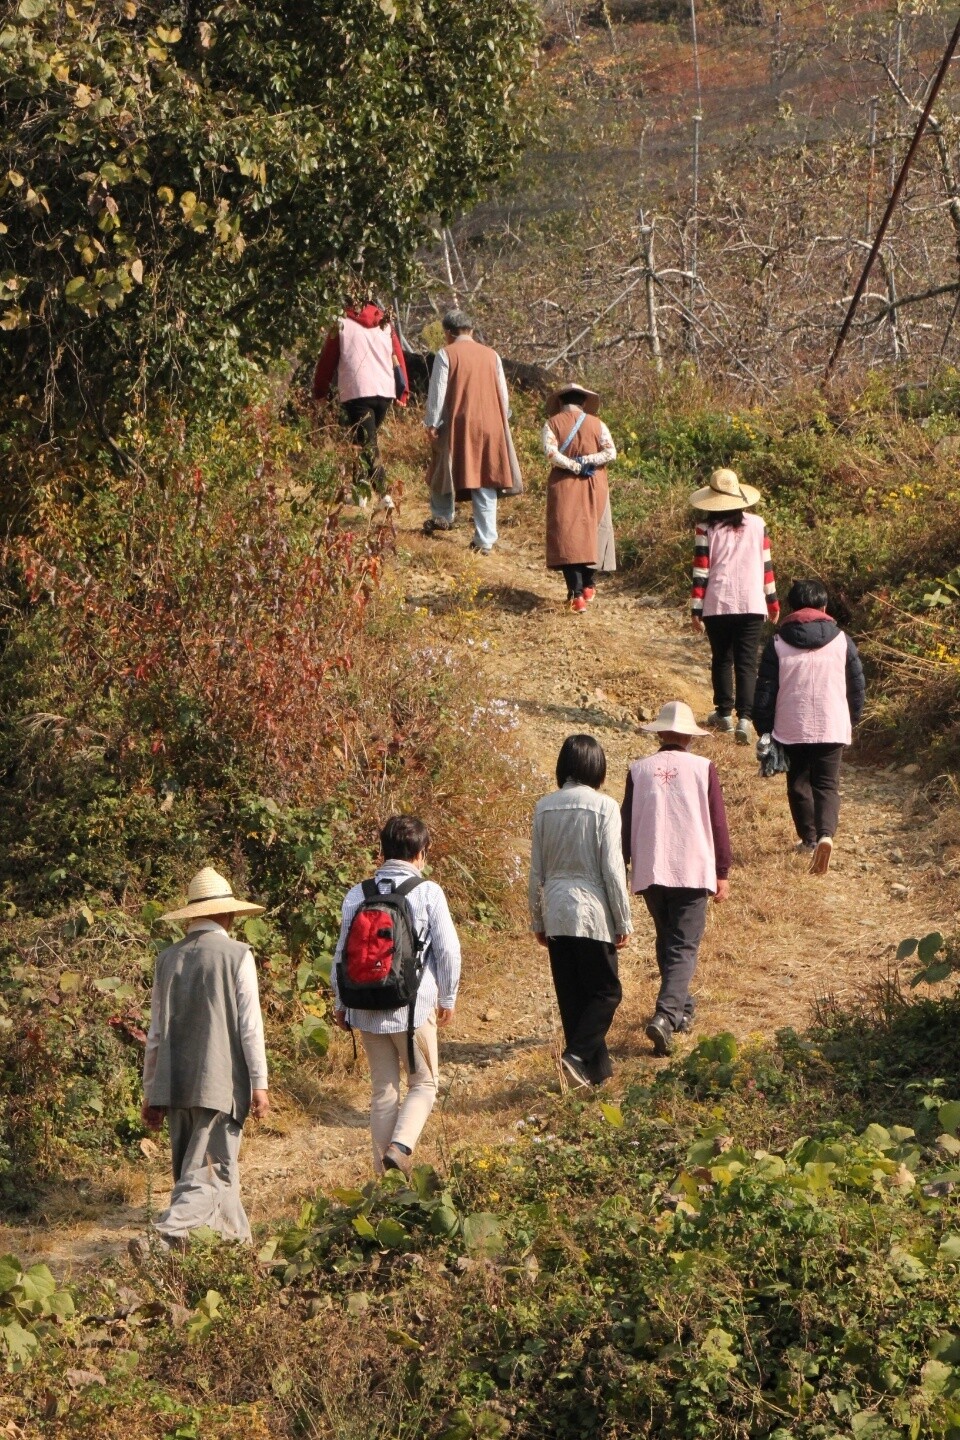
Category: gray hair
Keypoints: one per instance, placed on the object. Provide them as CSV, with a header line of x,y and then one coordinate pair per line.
x,y
455,321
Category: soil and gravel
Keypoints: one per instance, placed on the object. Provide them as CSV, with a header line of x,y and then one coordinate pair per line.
x,y
782,942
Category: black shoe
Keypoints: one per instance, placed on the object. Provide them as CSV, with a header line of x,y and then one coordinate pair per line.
x,y
433,526
660,1032
685,1026
574,1069
478,549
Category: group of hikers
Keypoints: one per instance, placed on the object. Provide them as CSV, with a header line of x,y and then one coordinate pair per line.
x,y
396,967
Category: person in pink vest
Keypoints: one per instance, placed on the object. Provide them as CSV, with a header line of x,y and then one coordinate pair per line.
x,y
677,843
810,694
364,357
734,591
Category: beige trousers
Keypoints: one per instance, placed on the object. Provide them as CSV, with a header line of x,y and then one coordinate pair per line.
x,y
389,1119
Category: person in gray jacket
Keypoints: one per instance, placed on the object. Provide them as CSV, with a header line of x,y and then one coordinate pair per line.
x,y
579,905
205,1067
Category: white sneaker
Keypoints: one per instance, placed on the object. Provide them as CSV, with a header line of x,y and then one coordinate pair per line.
x,y
821,856
742,732
716,721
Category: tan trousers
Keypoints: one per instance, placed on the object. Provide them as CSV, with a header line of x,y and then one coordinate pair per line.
x,y
387,1054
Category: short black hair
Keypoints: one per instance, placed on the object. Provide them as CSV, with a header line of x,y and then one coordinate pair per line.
x,y
807,595
403,837
582,760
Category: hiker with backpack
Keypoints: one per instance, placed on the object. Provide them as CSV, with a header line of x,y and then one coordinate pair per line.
x,y
676,841
395,976
810,694
579,906
734,590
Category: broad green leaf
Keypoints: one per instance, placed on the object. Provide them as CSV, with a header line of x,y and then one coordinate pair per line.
x,y
444,1220
20,1345
37,1284
363,1227
949,1116
929,946
256,930
31,9
612,1114
481,1233
400,1337
10,1273
390,1234
70,982
949,1248
906,948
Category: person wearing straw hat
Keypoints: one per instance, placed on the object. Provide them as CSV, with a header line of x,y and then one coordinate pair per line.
x,y
205,1066
677,843
734,591
579,525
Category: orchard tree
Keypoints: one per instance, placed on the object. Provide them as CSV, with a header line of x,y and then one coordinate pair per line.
x,y
185,189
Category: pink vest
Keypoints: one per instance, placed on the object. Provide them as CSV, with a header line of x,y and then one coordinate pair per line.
x,y
812,706
735,586
671,834
366,361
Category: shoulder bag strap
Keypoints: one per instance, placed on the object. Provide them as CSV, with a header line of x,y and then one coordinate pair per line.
x,y
569,440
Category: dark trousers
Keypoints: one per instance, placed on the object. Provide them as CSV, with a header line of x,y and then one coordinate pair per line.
x,y
588,993
734,642
680,918
364,418
813,789
578,578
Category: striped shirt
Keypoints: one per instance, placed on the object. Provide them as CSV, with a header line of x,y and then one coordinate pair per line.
x,y
701,571
441,968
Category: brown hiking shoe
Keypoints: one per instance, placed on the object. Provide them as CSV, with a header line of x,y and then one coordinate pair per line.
x,y
394,1159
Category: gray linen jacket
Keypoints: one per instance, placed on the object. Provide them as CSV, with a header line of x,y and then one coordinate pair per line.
x,y
200,1059
578,884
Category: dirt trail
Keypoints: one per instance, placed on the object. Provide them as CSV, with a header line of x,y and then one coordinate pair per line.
x,y
783,940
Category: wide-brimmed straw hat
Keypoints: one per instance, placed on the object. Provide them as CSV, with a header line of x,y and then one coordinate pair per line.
x,y
590,403
210,893
724,492
675,718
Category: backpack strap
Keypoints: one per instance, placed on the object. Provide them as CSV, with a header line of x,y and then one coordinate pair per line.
x,y
409,885
370,889
411,1056
569,440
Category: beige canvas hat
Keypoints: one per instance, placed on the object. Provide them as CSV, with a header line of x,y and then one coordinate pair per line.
x,y
675,718
724,492
210,893
556,401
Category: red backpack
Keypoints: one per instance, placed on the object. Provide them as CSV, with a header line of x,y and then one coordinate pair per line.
x,y
381,962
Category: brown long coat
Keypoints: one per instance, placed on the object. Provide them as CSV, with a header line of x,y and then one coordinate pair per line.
x,y
475,448
576,505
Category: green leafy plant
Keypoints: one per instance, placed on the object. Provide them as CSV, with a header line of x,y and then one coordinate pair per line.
x,y
31,1307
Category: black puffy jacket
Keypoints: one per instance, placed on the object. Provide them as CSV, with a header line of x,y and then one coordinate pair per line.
x,y
805,630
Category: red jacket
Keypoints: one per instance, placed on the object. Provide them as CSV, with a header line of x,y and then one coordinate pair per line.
x,y
323,376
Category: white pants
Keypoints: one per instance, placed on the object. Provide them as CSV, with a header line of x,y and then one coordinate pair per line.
x,y
205,1145
389,1119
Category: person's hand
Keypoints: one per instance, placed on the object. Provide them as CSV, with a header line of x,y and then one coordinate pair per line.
x,y
621,940
723,892
444,1016
696,623
340,1019
541,938
152,1115
259,1104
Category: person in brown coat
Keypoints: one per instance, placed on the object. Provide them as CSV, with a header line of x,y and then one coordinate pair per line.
x,y
468,421
579,528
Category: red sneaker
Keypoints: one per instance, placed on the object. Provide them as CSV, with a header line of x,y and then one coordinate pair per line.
x,y
578,604
588,593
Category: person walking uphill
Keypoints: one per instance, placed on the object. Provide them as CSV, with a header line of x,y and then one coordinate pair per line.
x,y
734,590
363,355
397,911
675,837
579,528
810,694
468,421
205,1066
579,906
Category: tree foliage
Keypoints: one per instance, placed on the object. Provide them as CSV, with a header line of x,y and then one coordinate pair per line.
x,y
185,188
